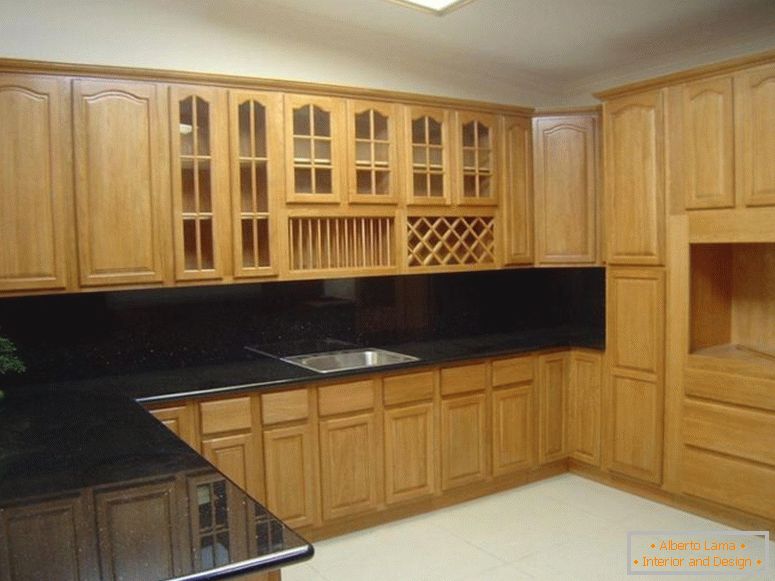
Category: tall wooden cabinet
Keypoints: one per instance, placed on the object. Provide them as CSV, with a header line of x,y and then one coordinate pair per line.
x,y
517,188
35,190
566,184
634,179
121,181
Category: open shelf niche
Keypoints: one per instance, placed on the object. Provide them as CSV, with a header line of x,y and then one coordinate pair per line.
x,y
732,300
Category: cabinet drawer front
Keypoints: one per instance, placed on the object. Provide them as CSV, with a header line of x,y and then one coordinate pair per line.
x,y
226,415
734,431
732,482
346,397
750,391
408,388
514,370
463,379
285,406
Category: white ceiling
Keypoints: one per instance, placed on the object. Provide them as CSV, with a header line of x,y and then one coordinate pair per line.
x,y
555,52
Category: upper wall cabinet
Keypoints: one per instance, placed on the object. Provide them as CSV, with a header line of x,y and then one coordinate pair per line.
x,y
634,179
517,202
200,178
477,159
257,179
755,120
121,181
428,161
35,194
708,144
315,129
566,189
372,145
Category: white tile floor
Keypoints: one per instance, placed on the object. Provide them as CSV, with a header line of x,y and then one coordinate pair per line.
x,y
564,528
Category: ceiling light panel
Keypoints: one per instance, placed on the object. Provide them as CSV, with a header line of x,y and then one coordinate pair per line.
x,y
439,7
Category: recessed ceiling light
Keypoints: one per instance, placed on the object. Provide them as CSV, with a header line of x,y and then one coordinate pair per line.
x,y
438,7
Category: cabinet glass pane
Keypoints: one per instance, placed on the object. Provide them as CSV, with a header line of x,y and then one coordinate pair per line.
x,y
187,185
484,187
303,179
322,151
418,130
259,130
363,178
483,135
382,183
186,124
244,114
363,152
420,184
190,244
434,132
420,156
206,244
435,157
322,122
202,122
381,153
255,242
363,125
302,121
204,186
323,181
469,135
381,131
302,150
437,185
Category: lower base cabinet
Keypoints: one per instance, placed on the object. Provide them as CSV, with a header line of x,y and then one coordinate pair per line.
x,y
584,402
349,465
463,429
512,428
553,373
409,453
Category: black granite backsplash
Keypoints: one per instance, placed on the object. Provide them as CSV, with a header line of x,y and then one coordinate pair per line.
x,y
88,335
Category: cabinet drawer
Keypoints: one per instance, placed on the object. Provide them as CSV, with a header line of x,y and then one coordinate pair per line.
x,y
346,397
285,406
749,391
226,415
733,431
510,371
463,379
408,388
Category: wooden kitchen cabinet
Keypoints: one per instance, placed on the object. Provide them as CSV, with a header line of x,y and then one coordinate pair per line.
x,y
257,180
121,182
180,419
372,151
513,415
231,441
463,440
517,188
634,179
200,181
553,378
477,160
428,155
35,184
566,184
584,419
633,403
315,150
755,125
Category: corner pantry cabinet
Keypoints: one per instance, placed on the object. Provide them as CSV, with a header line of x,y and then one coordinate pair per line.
x,y
35,191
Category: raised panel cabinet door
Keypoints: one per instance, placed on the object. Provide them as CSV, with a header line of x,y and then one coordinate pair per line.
x,y
409,453
636,319
372,152
141,520
236,456
428,156
477,159
463,446
635,413
349,464
35,191
257,180
553,377
200,180
26,549
566,189
634,179
291,483
517,188
121,182
179,419
585,401
708,142
315,130
755,149
512,426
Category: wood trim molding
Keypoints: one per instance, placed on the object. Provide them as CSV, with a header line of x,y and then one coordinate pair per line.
x,y
253,83
710,70
568,111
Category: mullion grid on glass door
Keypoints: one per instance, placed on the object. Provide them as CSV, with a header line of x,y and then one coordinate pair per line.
x,y
254,213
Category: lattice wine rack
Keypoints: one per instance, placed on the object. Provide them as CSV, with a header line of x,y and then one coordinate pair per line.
x,y
352,243
450,241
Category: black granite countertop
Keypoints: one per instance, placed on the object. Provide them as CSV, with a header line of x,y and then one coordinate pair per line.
x,y
93,487
250,371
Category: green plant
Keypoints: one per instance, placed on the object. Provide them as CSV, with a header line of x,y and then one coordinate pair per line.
x,y
9,361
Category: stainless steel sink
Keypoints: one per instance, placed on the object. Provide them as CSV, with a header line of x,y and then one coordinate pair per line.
x,y
332,361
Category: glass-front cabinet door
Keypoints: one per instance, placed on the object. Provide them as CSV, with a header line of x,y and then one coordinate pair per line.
x,y
428,145
199,180
255,122
315,129
372,152
477,182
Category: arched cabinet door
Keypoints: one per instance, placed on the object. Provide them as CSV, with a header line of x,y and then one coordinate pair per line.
x,y
35,193
477,159
200,180
121,182
428,162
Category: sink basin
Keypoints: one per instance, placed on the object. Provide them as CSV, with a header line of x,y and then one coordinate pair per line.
x,y
332,361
